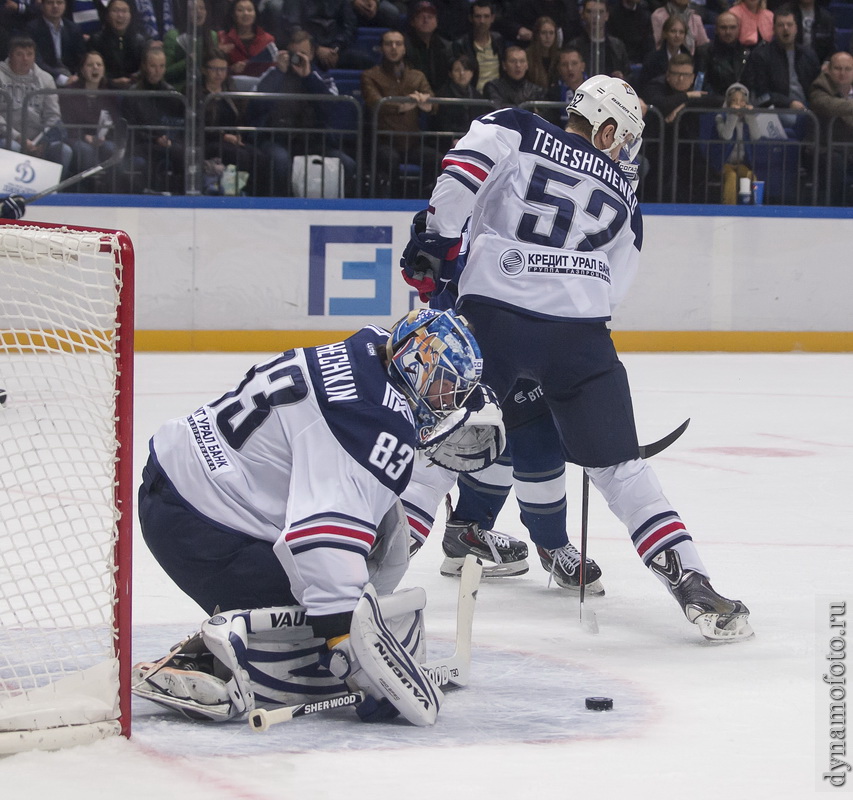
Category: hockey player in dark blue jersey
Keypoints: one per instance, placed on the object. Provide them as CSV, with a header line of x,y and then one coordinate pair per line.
x,y
283,494
555,238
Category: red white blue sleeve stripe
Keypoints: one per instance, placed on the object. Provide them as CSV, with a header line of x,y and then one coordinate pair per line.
x,y
335,531
469,167
420,522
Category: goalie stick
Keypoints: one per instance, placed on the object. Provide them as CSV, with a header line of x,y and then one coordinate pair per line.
x,y
454,670
120,141
589,622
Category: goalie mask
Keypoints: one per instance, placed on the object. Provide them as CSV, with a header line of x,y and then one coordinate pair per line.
x,y
603,98
436,363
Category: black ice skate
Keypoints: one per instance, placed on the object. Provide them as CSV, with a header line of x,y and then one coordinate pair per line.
x,y
502,555
564,564
718,618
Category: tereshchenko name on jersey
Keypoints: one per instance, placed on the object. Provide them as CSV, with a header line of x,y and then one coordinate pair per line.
x,y
563,239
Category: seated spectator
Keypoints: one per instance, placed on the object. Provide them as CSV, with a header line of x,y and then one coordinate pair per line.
x,y
157,123
732,125
296,72
425,49
220,114
119,44
393,78
542,53
670,94
59,43
694,26
756,22
780,73
176,45
39,131
512,88
155,18
631,21
613,56
674,35
571,73
831,99
250,50
460,86
332,24
483,44
725,57
89,115
376,13
815,28
519,19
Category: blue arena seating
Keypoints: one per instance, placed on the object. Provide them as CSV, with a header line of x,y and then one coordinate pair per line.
x,y
842,13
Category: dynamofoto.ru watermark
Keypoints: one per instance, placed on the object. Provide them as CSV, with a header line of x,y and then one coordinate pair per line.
x,y
834,681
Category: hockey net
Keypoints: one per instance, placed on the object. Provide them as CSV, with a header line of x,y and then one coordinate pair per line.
x,y
66,368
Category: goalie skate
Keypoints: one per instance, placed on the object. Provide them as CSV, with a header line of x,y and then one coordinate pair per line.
x,y
502,555
184,681
717,617
564,564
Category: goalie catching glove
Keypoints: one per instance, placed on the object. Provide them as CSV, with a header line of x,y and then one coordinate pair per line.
x,y
371,659
429,260
470,438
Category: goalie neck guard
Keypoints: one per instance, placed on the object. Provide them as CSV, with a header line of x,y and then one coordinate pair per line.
x,y
435,361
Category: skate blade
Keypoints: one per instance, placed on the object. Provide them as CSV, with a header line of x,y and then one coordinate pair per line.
x,y
452,568
725,628
594,589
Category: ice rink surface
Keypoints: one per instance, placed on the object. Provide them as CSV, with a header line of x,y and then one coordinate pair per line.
x,y
762,479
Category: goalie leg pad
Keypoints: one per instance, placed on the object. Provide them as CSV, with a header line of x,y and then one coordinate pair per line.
x,y
389,670
403,614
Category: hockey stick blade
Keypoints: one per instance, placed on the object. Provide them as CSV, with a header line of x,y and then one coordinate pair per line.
x,y
120,139
261,719
649,450
456,669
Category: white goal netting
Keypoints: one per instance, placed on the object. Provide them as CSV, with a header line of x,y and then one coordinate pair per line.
x,y
62,435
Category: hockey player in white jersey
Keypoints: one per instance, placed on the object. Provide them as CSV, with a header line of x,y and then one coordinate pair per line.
x,y
555,239
282,495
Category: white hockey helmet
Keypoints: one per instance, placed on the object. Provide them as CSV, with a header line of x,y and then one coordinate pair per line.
x,y
601,98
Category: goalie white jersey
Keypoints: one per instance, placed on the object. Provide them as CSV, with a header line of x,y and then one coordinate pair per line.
x,y
309,452
575,228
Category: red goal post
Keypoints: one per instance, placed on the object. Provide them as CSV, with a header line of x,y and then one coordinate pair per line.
x,y
66,478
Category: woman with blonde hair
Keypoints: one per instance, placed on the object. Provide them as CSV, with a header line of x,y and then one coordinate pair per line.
x,y
756,21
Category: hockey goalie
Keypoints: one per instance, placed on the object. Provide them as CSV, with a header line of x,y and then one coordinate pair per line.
x,y
277,508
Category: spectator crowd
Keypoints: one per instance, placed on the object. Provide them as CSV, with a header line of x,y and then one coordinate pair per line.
x,y
70,68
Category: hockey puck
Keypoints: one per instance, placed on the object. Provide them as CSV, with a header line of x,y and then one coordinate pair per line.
x,y
599,703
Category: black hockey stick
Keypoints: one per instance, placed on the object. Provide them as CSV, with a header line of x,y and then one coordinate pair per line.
x,y
590,623
120,141
649,450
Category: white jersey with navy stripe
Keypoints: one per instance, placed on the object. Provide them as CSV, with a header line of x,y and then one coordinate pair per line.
x,y
311,449
555,228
